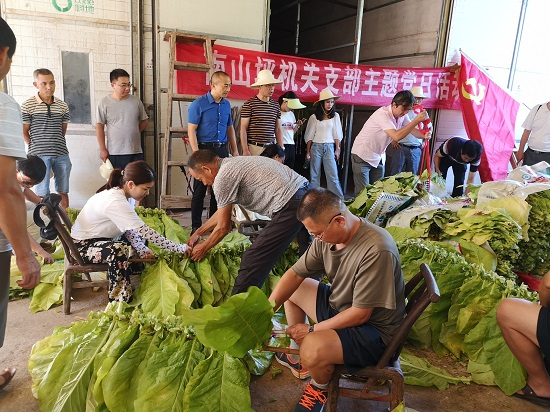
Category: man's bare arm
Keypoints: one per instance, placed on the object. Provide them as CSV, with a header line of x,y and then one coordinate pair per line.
x,y
13,218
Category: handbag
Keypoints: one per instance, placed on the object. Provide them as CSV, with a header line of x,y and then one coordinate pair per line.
x,y
47,208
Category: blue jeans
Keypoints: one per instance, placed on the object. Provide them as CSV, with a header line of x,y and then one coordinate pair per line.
x,y
364,173
61,166
323,153
407,161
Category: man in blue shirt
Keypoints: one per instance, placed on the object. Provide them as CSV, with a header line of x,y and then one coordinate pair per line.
x,y
210,126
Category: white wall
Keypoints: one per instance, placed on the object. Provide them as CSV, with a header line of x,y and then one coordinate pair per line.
x,y
43,32
104,31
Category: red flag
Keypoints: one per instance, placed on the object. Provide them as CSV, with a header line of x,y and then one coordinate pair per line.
x,y
489,113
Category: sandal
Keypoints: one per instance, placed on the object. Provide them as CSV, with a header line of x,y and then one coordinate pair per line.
x,y
8,375
530,396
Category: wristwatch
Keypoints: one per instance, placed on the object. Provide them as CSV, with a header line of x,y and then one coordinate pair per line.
x,y
310,328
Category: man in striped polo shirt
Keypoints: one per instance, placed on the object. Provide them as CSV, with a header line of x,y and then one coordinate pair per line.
x,y
45,120
261,117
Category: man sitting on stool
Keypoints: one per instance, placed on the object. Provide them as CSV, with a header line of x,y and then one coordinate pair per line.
x,y
357,315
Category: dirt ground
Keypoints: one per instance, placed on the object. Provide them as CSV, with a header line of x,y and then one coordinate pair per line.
x,y
271,395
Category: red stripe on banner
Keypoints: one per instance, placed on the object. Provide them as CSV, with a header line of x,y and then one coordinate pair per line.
x,y
489,114
356,84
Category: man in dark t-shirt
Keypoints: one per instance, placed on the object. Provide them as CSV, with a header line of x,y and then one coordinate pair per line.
x,y
457,153
357,315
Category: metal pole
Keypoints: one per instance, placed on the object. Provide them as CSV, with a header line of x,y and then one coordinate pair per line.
x,y
356,50
156,99
296,44
517,44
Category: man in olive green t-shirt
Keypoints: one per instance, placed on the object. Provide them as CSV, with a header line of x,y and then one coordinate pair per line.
x,y
356,316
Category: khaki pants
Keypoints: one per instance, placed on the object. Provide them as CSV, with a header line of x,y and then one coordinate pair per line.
x,y
255,150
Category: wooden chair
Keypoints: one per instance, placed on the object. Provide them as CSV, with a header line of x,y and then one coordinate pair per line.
x,y
420,291
74,263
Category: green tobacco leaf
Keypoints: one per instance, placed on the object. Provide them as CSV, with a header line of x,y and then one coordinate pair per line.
x,y
476,254
173,230
161,290
239,324
420,372
167,373
43,354
219,384
399,408
258,361
46,295
65,385
204,273
482,374
401,233
116,384
119,341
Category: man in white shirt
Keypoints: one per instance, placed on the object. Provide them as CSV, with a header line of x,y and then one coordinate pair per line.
x,y
12,203
537,133
385,125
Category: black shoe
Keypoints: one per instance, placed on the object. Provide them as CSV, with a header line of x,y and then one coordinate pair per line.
x,y
297,369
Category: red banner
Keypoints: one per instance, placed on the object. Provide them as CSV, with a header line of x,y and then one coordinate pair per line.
x,y
356,84
489,114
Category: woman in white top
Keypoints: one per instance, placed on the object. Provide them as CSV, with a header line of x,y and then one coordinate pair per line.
x,y
289,126
108,225
323,135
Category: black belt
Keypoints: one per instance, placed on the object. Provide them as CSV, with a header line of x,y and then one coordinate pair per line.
x,y
213,144
538,152
259,144
409,146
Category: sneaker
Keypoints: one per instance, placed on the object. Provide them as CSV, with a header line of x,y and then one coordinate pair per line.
x,y
313,399
296,368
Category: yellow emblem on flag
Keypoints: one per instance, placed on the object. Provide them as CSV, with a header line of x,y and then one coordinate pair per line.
x,y
477,88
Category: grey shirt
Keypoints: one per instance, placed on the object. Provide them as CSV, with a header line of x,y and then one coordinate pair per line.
x,y
257,183
366,273
121,119
11,140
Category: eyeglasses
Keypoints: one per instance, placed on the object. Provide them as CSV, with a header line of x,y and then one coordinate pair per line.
x,y
125,85
320,235
26,183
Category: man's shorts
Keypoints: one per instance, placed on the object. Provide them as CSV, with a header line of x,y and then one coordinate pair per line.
x,y
61,167
362,345
543,331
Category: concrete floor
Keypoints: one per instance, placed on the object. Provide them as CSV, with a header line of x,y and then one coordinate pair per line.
x,y
271,395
